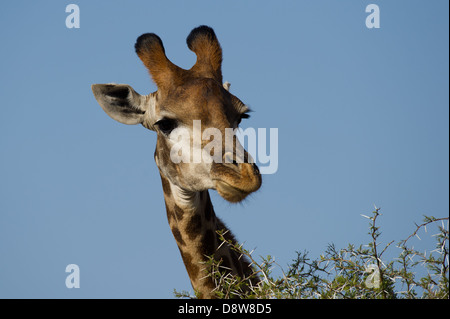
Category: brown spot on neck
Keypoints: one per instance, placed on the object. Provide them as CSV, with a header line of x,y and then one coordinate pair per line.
x,y
195,231
166,186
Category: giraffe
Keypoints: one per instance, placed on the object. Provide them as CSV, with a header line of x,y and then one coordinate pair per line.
x,y
182,97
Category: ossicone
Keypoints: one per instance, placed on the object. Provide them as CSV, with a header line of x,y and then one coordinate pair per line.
x,y
203,42
150,49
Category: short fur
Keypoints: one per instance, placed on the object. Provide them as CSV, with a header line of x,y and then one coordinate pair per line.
x,y
185,96
203,41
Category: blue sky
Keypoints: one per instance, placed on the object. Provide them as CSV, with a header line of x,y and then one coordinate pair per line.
x,y
362,117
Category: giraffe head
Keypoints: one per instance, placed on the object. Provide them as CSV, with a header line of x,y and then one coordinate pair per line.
x,y
185,97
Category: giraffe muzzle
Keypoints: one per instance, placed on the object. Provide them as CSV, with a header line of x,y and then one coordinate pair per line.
x,y
237,177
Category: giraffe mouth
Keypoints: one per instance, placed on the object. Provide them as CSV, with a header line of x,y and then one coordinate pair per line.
x,y
235,182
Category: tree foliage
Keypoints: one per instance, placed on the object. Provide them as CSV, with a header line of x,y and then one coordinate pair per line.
x,y
356,272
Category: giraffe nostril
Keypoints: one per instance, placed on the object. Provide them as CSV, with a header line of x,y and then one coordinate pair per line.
x,y
255,169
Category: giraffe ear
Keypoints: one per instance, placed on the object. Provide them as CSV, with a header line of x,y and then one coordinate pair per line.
x,y
121,102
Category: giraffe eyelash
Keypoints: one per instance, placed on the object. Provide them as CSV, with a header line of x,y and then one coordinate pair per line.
x,y
243,116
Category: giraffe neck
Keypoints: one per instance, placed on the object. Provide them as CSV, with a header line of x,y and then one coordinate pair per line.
x,y
194,225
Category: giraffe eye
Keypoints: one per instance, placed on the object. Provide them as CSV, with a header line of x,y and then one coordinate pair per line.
x,y
166,125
